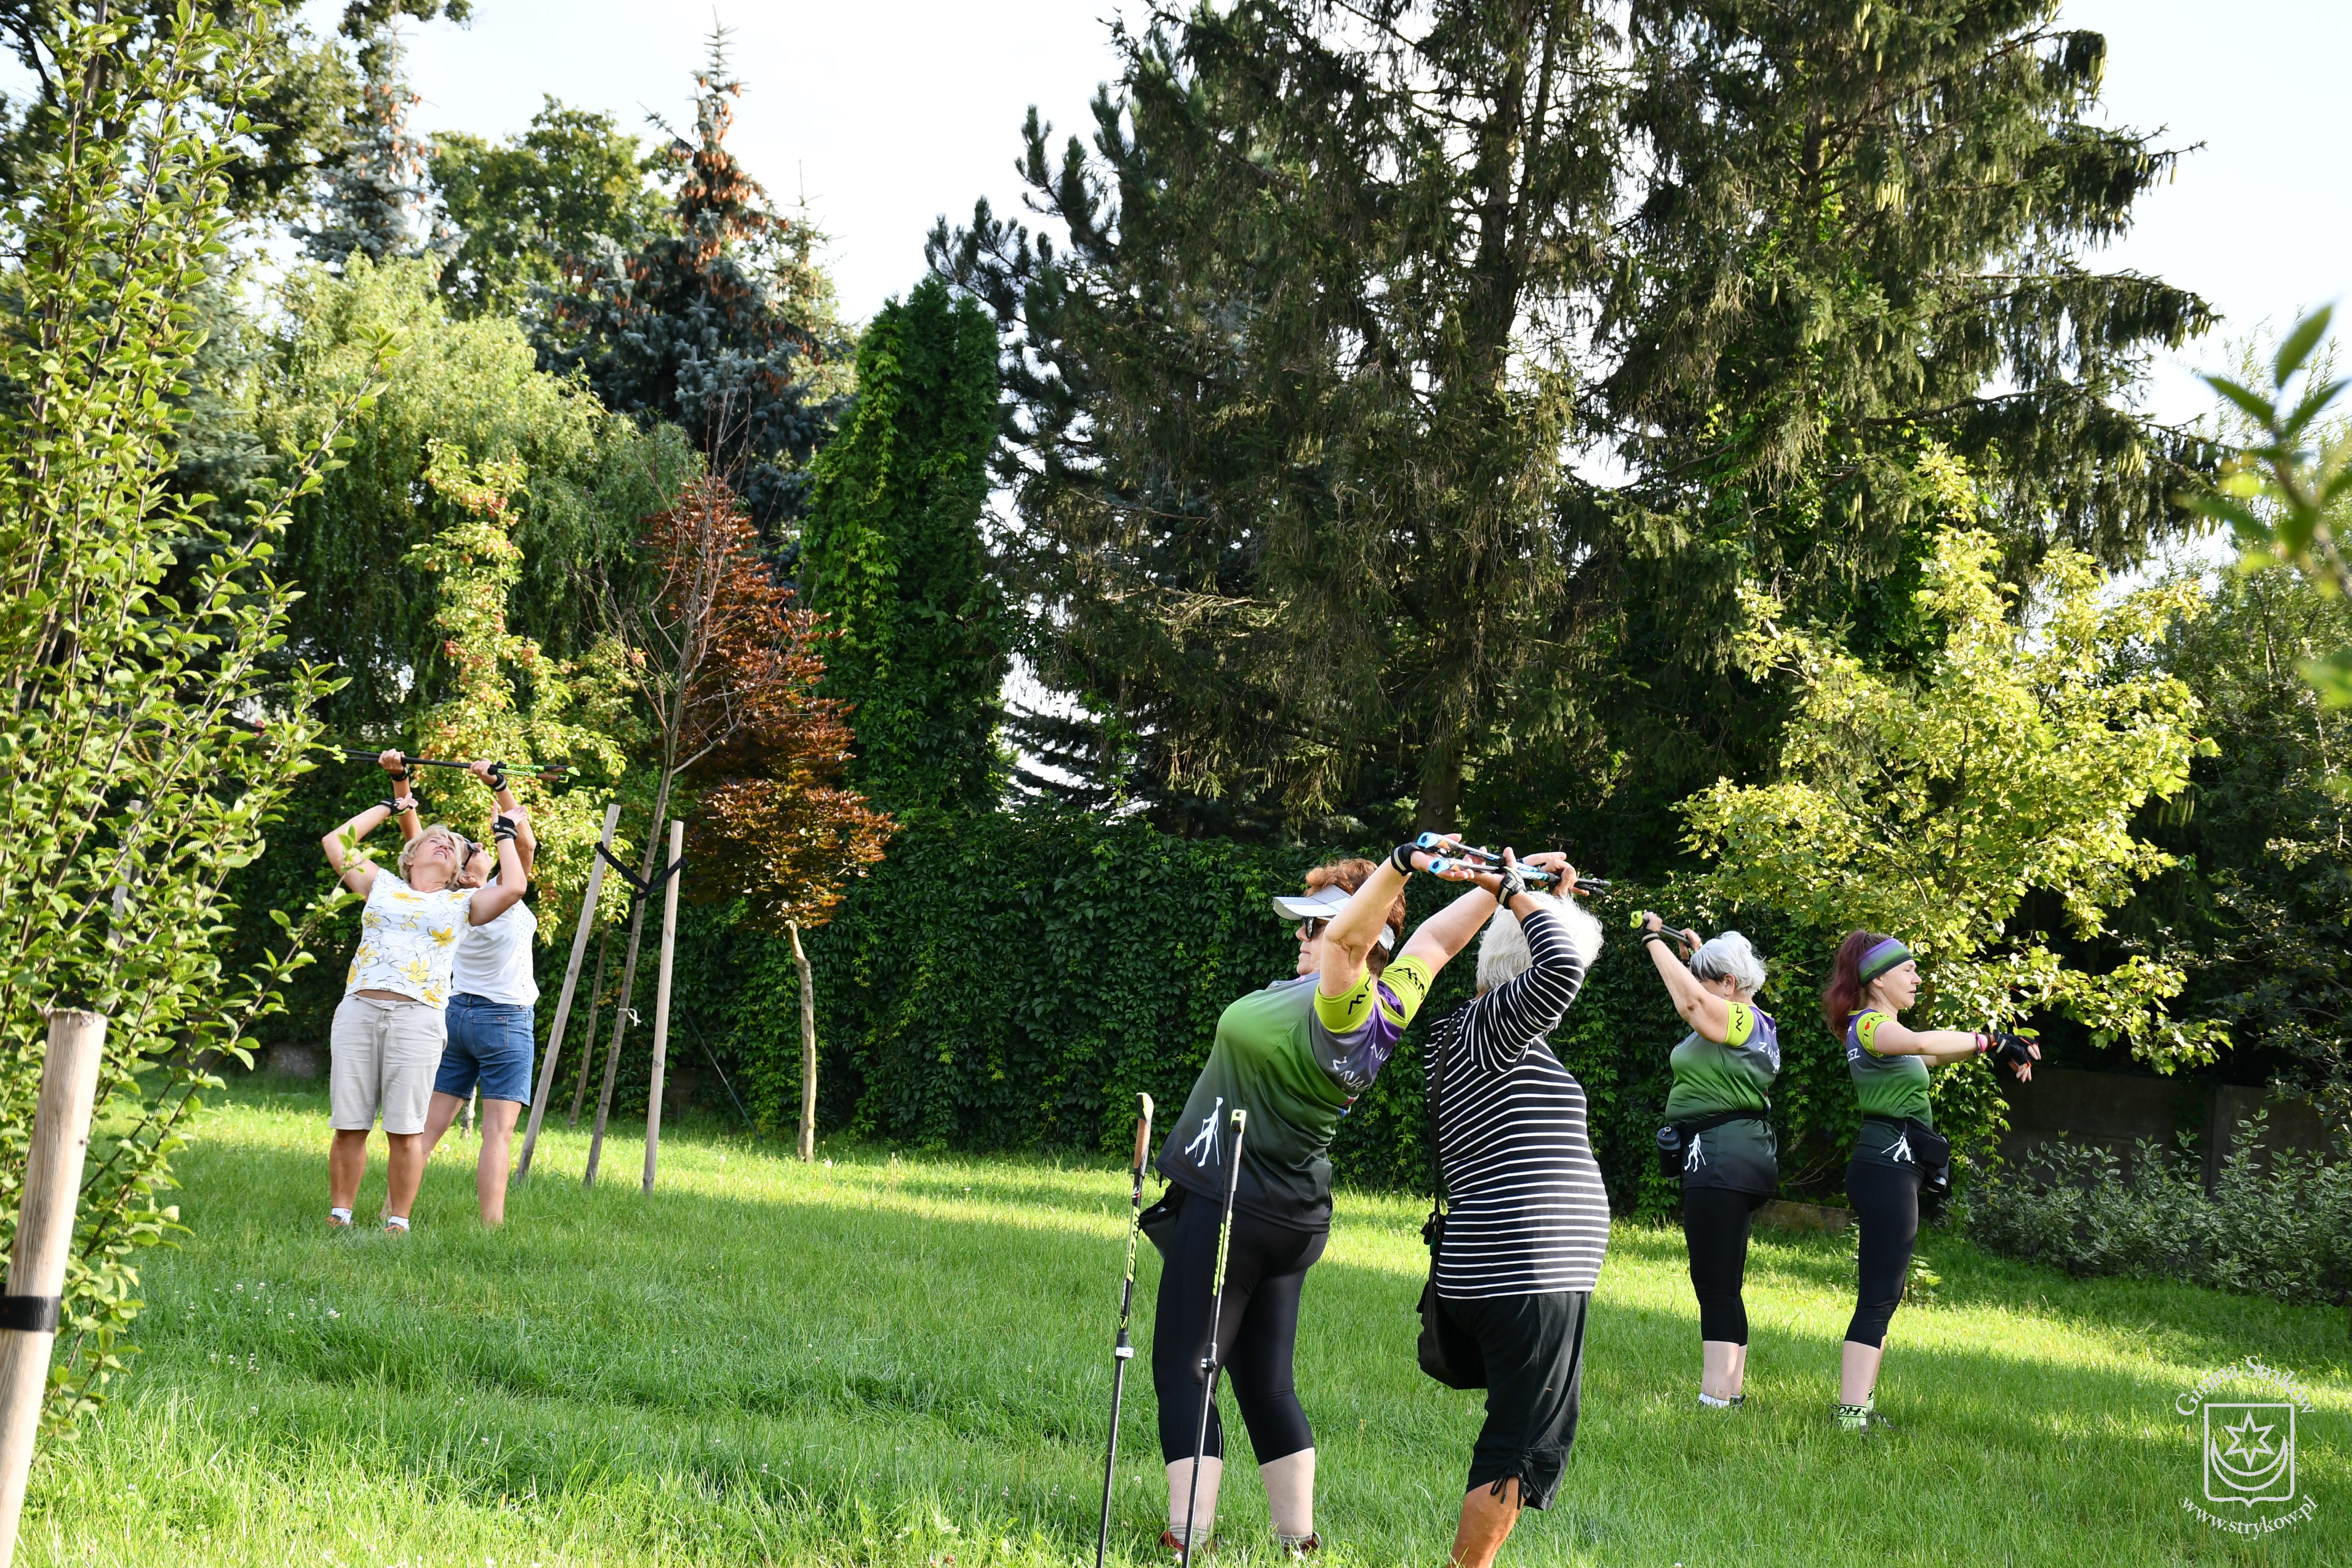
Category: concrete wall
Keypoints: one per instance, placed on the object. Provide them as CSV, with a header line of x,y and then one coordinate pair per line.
x,y
2116,1109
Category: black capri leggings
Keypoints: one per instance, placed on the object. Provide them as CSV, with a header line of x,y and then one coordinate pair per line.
x,y
1714,1226
1266,1266
1886,1201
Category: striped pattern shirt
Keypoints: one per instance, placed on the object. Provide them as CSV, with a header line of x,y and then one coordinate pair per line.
x,y
1529,1212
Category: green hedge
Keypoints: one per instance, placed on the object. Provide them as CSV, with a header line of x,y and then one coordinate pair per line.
x,y
1011,981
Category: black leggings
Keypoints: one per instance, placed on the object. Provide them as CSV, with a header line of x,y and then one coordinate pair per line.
x,y
1265,1267
1714,1226
1885,1200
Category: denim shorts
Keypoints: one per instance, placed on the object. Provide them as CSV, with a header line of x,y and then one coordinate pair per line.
x,y
490,1043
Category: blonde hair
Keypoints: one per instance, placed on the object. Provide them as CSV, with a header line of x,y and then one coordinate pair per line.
x,y
448,834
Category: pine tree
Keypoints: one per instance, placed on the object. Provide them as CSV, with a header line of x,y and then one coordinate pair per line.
x,y
1291,404
1344,283
723,325
892,556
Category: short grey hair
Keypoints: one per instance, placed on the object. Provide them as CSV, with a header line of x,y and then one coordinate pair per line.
x,y
1503,954
1727,955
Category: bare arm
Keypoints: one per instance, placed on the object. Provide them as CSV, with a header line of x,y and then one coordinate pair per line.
x,y
396,762
488,903
526,842
1348,940
1942,1046
1707,1013
1445,933
358,875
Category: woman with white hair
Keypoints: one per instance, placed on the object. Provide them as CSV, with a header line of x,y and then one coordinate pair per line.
x,y
385,1044
1528,1221
1719,1135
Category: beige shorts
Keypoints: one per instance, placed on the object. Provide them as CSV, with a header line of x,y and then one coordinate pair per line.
x,y
383,1054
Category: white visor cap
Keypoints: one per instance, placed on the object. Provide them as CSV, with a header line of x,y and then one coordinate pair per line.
x,y
1321,905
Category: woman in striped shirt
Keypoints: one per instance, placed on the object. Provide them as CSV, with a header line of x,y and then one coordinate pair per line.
x,y
1528,1218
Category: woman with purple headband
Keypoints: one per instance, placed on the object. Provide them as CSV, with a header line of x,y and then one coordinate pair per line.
x,y
1899,1149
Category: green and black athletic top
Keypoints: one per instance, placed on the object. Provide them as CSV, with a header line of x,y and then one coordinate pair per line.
x,y
1712,1081
1887,1088
1295,1061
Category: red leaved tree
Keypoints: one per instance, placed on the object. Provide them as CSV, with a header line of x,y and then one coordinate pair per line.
x,y
723,668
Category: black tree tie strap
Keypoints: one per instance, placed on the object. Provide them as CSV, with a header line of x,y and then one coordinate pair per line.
x,y
30,1314
640,887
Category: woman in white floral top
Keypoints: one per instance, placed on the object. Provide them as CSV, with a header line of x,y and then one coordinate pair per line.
x,y
387,1040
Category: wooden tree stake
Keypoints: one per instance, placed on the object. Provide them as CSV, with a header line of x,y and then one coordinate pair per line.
x,y
36,1269
661,999
588,1053
620,1032
564,1002
808,1048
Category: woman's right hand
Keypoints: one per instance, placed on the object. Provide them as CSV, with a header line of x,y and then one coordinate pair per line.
x,y
392,760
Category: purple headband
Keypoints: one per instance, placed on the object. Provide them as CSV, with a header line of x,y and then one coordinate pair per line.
x,y
1884,956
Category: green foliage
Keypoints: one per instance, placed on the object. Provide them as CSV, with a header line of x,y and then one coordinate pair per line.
x,y
1292,402
136,641
509,701
892,556
2258,907
1343,283
1012,981
474,388
2287,490
374,201
1931,807
2281,1227
535,204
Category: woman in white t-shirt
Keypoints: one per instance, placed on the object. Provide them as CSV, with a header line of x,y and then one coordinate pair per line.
x,y
385,1044
492,1014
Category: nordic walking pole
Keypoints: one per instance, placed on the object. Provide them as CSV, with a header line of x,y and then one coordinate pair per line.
x,y
563,1005
1124,1352
1210,1365
661,999
45,1227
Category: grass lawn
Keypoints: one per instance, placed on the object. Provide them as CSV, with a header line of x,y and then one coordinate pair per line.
x,y
906,1361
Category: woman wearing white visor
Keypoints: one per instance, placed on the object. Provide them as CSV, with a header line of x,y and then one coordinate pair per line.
x,y
1295,1056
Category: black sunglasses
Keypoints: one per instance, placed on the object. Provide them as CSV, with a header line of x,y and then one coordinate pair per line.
x,y
1310,930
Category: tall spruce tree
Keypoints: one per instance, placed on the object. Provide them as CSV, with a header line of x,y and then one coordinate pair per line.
x,y
1291,403
376,200
892,555
1344,282
722,323
1861,243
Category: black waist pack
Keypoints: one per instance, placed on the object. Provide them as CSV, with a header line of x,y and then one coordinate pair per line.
x,y
1674,1136
1933,1150
1158,1222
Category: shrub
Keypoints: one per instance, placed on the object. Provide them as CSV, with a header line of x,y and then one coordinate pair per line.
x,y
2283,1231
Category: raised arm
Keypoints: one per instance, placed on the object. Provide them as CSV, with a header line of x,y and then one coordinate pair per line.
x,y
1891,1038
526,842
488,903
1348,940
1499,1027
1707,1013
357,874
396,762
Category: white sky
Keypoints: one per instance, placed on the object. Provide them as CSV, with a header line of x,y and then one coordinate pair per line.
x,y
890,112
